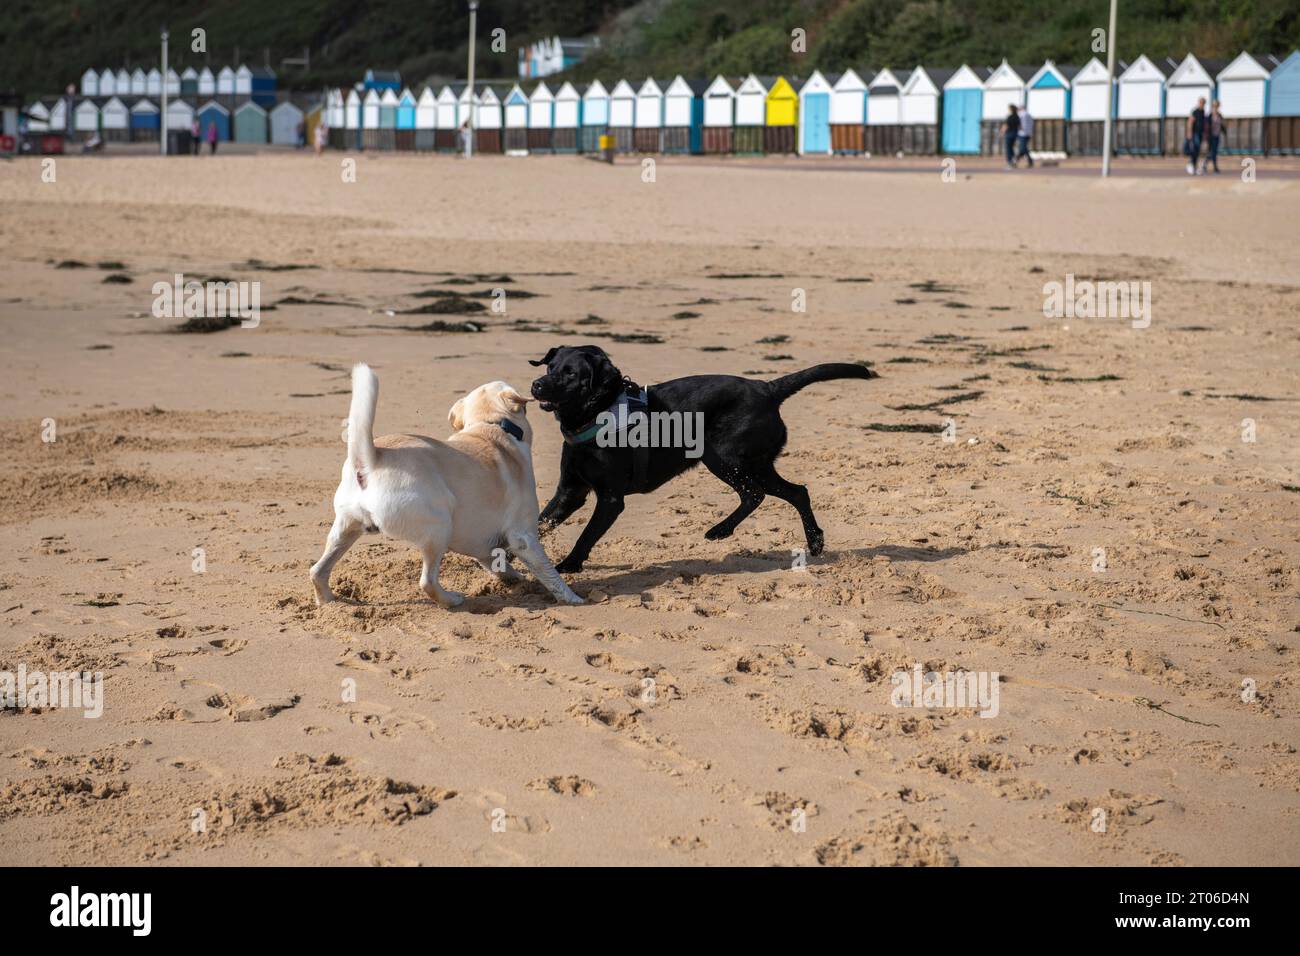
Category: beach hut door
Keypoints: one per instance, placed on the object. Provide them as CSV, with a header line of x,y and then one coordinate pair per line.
x,y
961,121
816,123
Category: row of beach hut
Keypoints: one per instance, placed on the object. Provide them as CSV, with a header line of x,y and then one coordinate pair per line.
x,y
119,119
242,82
924,111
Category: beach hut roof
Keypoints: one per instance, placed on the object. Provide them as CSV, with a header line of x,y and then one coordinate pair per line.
x,y
1145,67
384,76
213,105
1063,74
226,72
622,89
1248,66
287,106
354,98
849,80
650,87
488,96
205,72
407,98
189,73
387,98
751,84
137,74
427,98
541,94
720,87
885,82
968,77
594,90
144,105
930,79
250,104
115,104
244,71
1006,76
1194,72
568,92
817,83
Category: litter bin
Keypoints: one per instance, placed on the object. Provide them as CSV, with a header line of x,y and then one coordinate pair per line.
x,y
179,142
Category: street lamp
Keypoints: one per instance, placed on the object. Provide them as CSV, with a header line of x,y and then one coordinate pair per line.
x,y
473,27
162,122
1110,91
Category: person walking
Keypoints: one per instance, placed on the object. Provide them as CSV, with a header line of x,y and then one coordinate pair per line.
x,y
1010,130
1195,133
196,137
212,138
1214,124
321,137
1023,137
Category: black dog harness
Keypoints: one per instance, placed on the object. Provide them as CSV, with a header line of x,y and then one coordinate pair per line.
x,y
635,399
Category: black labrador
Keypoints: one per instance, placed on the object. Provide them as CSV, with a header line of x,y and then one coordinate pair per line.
x,y
742,433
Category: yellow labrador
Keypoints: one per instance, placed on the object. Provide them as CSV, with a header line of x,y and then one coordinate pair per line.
x,y
473,494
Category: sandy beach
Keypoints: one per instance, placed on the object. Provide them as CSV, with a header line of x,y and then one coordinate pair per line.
x,y
1105,532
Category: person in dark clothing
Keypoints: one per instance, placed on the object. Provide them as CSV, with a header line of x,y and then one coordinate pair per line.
x,y
1195,134
1214,124
1010,130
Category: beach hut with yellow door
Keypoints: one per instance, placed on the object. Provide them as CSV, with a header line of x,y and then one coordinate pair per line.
x,y
781,117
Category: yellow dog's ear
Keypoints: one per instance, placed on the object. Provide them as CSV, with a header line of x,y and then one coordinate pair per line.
x,y
513,400
456,417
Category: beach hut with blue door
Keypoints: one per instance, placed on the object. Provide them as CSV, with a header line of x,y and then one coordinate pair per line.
x,y
541,118
1282,113
719,115
1004,87
426,120
1091,95
406,106
285,120
849,112
380,80
595,116
115,120
751,117
90,83
515,110
1140,107
883,135
920,105
1191,81
815,116
145,121
213,113
1047,98
1243,96
262,86
683,116
568,119
622,115
648,137
963,109
251,124
388,101
488,119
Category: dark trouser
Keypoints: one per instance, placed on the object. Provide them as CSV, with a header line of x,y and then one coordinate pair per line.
x,y
1212,153
1011,148
1024,149
213,144
1194,148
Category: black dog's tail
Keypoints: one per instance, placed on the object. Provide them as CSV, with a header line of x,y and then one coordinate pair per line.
x,y
787,385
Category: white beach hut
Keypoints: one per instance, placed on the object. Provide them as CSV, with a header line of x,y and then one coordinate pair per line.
x,y
488,118
115,120
108,83
90,83
139,82
649,123
447,118
567,119
1140,106
719,115
153,83
285,119
515,127
180,115
1005,87
243,81
541,119
59,114
848,113
370,119
595,116
883,134
622,115
226,82
1191,81
207,83
1091,95
426,120
919,108
85,117
123,81
38,117
751,116
1047,98
1243,96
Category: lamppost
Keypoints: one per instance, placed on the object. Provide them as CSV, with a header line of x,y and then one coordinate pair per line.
x,y
162,120
1110,91
473,28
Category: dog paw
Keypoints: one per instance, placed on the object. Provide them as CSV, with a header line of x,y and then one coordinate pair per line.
x,y
718,532
569,566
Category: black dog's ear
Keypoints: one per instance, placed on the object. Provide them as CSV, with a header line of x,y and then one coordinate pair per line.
x,y
603,373
546,359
